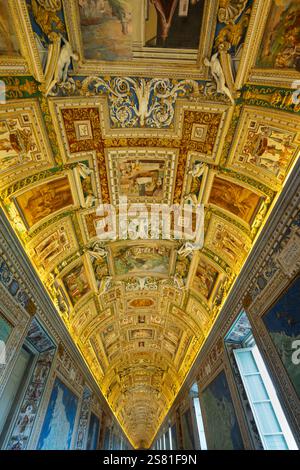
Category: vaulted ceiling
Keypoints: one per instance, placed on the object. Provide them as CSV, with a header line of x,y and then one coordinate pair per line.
x,y
140,114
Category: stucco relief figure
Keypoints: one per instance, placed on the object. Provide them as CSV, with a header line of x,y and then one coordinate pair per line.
x,y
197,169
188,248
98,251
105,284
218,75
62,65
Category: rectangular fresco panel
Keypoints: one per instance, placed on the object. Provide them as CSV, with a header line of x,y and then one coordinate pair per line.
x,y
106,29
60,418
142,175
234,198
205,279
93,433
280,42
44,200
187,431
269,149
283,324
17,142
222,430
174,24
142,178
53,244
8,40
141,258
76,283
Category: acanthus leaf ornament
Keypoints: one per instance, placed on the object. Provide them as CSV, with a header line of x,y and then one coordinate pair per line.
x,y
139,102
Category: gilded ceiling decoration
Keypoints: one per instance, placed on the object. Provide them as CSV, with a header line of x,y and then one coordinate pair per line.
x,y
159,102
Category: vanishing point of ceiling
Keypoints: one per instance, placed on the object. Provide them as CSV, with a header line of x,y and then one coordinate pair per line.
x,y
163,102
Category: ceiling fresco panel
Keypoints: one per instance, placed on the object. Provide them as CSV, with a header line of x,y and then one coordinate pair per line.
x,y
24,144
44,200
266,145
107,23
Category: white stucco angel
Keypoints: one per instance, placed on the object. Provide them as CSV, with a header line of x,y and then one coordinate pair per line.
x,y
197,169
189,247
98,251
105,284
84,172
60,74
218,75
142,282
178,281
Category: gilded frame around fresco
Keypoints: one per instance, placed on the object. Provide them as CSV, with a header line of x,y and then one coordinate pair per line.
x,y
142,67
262,76
46,219
28,62
18,110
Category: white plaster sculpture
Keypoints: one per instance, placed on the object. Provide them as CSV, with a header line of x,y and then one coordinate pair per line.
x,y
105,284
63,63
189,247
98,252
178,281
197,169
218,75
84,170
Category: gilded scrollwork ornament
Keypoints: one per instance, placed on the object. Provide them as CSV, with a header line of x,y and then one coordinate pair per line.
x,y
230,10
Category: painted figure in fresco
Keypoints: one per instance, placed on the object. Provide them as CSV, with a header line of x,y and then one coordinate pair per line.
x,y
15,143
142,178
63,64
228,243
205,279
218,75
25,420
165,19
281,42
234,198
269,148
76,283
8,44
45,199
